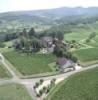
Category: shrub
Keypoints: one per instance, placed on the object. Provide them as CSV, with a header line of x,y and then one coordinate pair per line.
x,y
40,92
87,40
53,81
44,89
37,84
41,81
38,95
34,87
48,90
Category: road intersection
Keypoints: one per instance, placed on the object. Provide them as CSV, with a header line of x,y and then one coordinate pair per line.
x,y
29,83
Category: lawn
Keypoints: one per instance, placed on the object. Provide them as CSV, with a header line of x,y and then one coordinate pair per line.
x,y
30,64
3,72
81,86
86,55
13,92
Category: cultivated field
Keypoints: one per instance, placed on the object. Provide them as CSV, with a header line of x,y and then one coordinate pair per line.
x,y
86,55
3,72
13,92
81,86
30,64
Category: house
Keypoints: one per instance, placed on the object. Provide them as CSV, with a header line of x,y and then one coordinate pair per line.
x,y
63,63
46,41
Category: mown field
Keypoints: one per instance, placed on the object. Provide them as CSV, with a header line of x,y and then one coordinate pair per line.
x,y
76,36
30,64
81,86
13,92
3,72
86,55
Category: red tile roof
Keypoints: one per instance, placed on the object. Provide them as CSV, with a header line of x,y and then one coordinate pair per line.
x,y
61,61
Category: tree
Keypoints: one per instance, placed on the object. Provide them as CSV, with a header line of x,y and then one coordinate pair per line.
x,y
41,81
53,81
6,37
31,32
17,45
37,85
35,44
22,42
53,34
58,51
74,59
87,40
68,55
60,35
73,41
24,33
92,35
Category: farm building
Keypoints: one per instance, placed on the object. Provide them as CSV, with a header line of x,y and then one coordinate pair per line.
x,y
46,41
63,63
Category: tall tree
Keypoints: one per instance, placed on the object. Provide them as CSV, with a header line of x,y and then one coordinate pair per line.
x,y
92,35
32,32
60,35
25,32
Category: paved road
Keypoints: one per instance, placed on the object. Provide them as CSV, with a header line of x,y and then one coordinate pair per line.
x,y
64,75
29,83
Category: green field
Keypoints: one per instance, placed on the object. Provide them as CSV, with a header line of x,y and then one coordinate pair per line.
x,y
30,64
76,36
80,35
94,42
81,86
13,92
85,55
6,49
3,72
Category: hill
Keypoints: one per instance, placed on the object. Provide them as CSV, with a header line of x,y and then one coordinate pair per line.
x,y
56,12
65,18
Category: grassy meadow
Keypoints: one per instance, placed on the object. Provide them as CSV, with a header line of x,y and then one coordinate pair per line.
x,y
87,55
30,64
94,42
81,34
13,92
76,36
3,72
